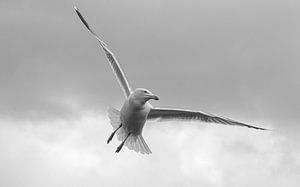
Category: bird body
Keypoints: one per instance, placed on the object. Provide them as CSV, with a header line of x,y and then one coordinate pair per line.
x,y
134,116
129,122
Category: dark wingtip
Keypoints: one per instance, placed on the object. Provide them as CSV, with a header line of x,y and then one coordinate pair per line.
x,y
260,128
263,129
81,17
266,129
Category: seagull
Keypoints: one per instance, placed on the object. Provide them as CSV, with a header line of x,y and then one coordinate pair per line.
x,y
128,123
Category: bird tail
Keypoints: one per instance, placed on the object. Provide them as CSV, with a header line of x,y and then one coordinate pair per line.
x,y
136,143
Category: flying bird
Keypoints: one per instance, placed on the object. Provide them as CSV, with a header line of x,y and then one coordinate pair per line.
x,y
128,123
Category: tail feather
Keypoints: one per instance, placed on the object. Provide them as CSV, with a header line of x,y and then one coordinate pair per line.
x,y
145,145
138,144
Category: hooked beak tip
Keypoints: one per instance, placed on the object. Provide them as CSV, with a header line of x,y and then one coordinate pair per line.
x,y
155,97
151,96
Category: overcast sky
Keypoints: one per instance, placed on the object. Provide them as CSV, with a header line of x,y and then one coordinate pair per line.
x,y
239,59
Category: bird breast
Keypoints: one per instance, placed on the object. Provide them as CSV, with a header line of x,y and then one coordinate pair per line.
x,y
134,117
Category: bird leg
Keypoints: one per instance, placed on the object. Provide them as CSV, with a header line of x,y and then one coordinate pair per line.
x,y
113,133
121,145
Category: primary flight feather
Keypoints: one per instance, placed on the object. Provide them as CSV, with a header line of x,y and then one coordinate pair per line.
x,y
128,123
119,73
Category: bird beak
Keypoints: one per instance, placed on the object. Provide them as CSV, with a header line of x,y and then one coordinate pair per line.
x,y
151,96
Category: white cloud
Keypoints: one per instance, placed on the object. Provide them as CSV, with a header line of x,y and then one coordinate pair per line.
x,y
74,152
48,73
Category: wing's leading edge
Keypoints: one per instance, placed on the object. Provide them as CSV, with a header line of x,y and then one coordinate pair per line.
x,y
181,114
117,69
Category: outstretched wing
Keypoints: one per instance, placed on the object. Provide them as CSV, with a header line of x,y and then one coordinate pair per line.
x,y
117,69
182,114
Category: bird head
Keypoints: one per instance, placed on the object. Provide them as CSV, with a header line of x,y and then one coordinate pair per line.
x,y
142,95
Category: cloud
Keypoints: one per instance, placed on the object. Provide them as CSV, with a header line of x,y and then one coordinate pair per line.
x,y
238,59
73,152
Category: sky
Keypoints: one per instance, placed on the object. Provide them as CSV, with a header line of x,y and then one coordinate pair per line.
x,y
238,59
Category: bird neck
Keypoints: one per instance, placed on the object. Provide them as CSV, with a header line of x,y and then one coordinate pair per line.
x,y
136,103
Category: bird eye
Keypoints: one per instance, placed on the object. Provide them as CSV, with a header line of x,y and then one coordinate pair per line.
x,y
145,91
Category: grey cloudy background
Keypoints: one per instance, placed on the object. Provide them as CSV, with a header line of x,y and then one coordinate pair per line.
x,y
239,59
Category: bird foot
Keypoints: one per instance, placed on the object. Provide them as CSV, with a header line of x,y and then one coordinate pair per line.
x,y
110,138
119,148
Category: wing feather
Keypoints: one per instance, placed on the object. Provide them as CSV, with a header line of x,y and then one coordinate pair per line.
x,y
163,114
116,67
